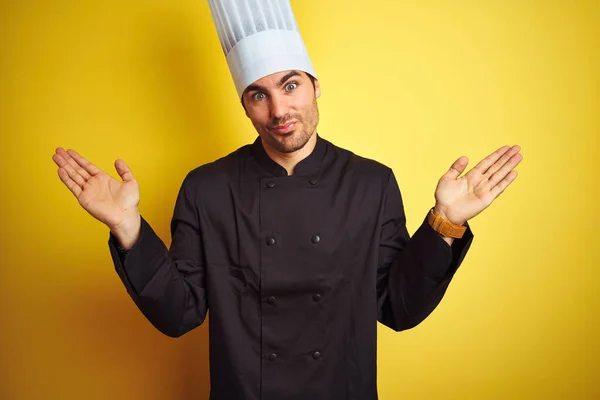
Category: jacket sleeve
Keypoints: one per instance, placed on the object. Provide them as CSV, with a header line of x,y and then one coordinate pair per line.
x,y
413,272
168,286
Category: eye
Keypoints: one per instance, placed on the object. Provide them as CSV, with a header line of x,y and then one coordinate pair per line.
x,y
258,96
291,86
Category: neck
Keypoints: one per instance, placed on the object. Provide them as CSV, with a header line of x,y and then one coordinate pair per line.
x,y
290,160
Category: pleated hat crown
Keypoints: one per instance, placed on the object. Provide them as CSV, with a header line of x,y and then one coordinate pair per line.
x,y
259,38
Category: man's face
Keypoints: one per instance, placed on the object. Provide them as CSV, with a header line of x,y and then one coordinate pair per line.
x,y
283,109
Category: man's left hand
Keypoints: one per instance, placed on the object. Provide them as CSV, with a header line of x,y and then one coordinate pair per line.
x,y
460,199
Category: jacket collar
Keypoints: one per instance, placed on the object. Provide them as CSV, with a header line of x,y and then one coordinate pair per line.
x,y
307,166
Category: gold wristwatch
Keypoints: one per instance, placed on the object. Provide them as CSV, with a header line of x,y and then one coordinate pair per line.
x,y
445,227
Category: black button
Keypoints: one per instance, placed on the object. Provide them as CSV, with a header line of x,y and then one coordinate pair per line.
x,y
316,355
271,300
315,239
316,297
312,181
270,241
270,184
273,356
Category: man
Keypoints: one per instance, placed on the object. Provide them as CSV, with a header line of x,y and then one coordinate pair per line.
x,y
296,246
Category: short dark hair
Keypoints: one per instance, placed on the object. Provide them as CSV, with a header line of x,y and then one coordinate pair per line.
x,y
312,80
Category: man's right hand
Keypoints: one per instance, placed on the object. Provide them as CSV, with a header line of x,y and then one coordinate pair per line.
x,y
112,202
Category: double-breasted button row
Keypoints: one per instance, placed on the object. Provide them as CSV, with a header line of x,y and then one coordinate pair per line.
x,y
273,356
271,240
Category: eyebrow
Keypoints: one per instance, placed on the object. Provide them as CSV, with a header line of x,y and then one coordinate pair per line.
x,y
281,82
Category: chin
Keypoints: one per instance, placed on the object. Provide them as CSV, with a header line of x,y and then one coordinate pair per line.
x,y
288,143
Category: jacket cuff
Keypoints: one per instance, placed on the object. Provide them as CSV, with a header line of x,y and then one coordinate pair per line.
x,y
438,257
134,265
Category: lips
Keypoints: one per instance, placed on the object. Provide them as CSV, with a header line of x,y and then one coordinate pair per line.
x,y
285,128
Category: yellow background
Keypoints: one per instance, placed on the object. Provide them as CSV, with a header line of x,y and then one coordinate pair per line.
x,y
414,85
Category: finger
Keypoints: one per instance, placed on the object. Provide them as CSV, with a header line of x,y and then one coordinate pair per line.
x,y
64,164
88,166
123,170
487,162
457,167
500,187
73,163
73,187
506,169
505,157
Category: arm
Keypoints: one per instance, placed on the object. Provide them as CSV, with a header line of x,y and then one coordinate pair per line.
x,y
413,273
168,286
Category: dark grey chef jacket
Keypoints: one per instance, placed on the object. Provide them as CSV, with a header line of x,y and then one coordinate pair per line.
x,y
296,271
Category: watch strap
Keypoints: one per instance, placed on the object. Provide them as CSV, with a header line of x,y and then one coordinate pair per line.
x,y
445,227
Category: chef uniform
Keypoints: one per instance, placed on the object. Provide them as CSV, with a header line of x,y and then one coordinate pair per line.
x,y
295,270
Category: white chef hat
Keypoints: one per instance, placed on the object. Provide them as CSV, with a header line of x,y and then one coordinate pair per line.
x,y
259,38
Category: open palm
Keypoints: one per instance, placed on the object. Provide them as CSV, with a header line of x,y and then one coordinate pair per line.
x,y
460,199
104,197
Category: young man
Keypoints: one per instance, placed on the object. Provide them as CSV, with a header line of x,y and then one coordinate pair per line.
x,y
296,246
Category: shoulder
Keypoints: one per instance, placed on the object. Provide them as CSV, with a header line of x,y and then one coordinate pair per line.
x,y
361,166
218,170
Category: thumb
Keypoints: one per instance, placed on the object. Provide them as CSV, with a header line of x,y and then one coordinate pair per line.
x,y
123,170
457,168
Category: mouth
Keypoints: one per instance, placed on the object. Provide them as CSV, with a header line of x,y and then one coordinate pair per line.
x,y
287,128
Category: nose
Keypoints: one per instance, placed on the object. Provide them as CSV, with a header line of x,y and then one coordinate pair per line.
x,y
279,106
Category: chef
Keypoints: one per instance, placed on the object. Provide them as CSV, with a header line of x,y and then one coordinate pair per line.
x,y
296,246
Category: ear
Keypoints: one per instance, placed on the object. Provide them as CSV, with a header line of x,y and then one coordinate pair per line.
x,y
244,106
317,89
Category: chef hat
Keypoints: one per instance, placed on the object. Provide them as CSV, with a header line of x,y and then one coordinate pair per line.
x,y
259,38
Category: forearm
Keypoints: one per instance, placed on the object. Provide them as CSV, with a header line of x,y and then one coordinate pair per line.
x,y
419,276
413,272
172,302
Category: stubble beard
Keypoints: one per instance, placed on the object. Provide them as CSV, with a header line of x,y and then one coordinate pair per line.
x,y
297,139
